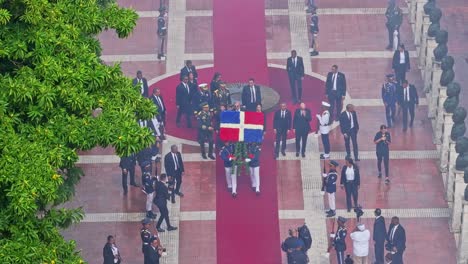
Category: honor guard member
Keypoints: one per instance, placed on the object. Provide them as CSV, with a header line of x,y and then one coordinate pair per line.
x,y
314,30
339,240
390,98
330,187
148,189
324,128
227,155
394,17
205,131
254,165
162,31
145,233
202,96
222,96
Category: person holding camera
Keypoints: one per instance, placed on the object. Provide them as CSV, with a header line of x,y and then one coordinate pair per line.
x,y
339,239
396,238
350,181
360,237
292,244
153,252
382,141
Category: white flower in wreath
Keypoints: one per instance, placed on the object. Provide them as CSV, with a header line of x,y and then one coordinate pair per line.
x,y
247,160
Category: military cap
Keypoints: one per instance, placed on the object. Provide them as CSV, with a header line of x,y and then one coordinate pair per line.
x,y
325,104
342,219
390,75
146,221
334,163
204,104
203,86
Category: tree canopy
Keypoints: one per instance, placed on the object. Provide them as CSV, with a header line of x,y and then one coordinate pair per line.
x,y
51,80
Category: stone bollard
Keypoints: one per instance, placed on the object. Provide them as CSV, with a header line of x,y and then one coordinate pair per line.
x,y
458,198
445,147
435,85
419,20
412,13
452,157
462,248
423,43
439,116
430,46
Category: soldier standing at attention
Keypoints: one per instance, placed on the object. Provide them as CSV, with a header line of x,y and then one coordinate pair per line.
x,y
148,189
222,96
339,239
254,164
390,98
330,187
202,96
324,128
127,164
205,131
227,155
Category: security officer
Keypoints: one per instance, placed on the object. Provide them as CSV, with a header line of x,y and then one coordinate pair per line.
x,y
162,30
330,187
222,96
202,96
145,233
148,189
205,130
127,164
390,98
254,165
314,30
227,155
324,128
339,239
394,17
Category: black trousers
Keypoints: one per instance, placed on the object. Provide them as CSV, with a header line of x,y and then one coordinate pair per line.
x,y
385,158
340,256
164,214
408,108
301,137
400,73
178,178
351,192
352,136
397,258
379,252
296,83
280,137
130,171
326,143
184,110
336,104
390,110
142,169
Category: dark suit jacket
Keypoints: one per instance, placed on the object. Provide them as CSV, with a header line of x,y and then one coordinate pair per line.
x,y
396,60
345,122
108,254
185,72
151,255
399,238
380,232
295,71
161,107
182,96
302,123
162,193
170,166
413,95
282,124
145,86
340,83
246,97
357,176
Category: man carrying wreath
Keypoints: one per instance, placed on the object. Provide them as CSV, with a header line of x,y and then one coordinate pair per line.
x,y
227,155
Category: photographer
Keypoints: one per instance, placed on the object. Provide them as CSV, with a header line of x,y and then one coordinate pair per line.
x,y
360,237
294,247
350,181
382,140
153,252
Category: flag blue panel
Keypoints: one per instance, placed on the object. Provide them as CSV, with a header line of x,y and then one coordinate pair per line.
x,y
253,135
230,117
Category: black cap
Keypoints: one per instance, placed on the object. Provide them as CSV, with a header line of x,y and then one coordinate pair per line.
x,y
342,219
146,221
334,163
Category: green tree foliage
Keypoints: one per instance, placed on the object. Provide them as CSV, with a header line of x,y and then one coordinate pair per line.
x,y
51,80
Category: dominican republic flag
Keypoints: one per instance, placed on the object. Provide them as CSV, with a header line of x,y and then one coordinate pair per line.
x,y
241,126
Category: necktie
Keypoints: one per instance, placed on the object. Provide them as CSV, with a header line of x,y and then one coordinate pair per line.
x,y
186,87
189,70
351,119
175,161
406,95
160,103
302,112
282,114
252,91
294,62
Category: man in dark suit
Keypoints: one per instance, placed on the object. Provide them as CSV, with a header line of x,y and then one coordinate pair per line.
x,y
152,252
301,127
379,236
161,198
251,96
159,103
281,127
396,238
335,91
111,257
183,102
408,101
349,128
401,63
189,68
295,68
141,83
174,166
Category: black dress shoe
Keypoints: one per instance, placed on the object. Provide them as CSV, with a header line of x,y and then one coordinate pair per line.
x,y
357,159
380,175
234,195
349,210
180,194
160,230
211,157
125,191
134,184
303,155
297,154
171,228
204,156
283,153
173,200
257,193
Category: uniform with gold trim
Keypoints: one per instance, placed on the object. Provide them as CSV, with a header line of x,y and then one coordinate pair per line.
x,y
202,96
222,96
205,131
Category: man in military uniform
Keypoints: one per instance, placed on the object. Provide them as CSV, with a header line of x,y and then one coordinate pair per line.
x,y
390,98
227,155
162,31
324,128
145,233
330,187
222,96
127,164
205,131
254,165
394,17
339,239
148,189
314,30
202,96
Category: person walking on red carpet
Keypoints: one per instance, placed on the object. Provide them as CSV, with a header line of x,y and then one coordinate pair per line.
x,y
335,91
227,155
281,127
301,127
254,165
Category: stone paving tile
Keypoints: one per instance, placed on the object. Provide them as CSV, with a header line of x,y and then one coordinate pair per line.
x,y
199,187
289,185
199,4
198,35
278,34
147,5
197,242
350,3
140,41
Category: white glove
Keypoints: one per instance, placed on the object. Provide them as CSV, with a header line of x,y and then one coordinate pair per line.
x,y
332,235
247,160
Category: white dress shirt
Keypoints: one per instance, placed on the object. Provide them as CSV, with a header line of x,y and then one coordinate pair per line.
x,y
402,57
334,80
360,243
350,173
392,234
115,252
350,116
176,161
252,94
